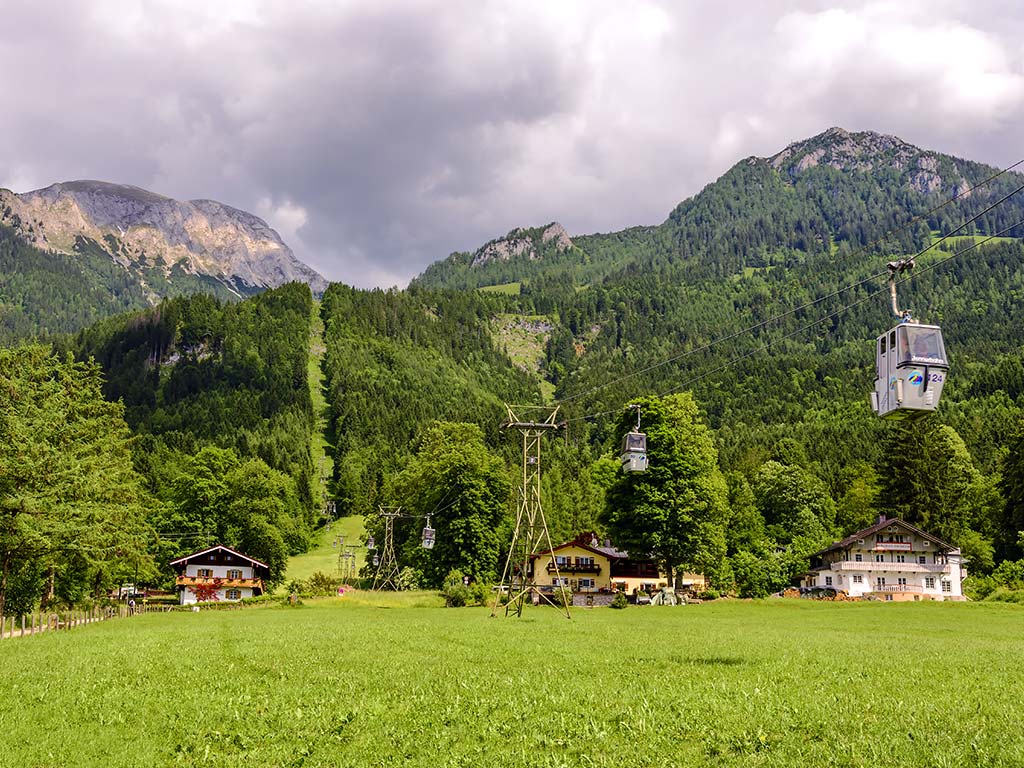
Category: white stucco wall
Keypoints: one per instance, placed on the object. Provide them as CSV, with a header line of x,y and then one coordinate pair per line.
x,y
188,597
892,561
219,571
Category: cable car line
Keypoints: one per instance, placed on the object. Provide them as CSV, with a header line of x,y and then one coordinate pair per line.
x,y
820,299
768,344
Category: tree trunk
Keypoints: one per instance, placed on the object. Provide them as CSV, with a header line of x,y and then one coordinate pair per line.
x,y
3,587
47,598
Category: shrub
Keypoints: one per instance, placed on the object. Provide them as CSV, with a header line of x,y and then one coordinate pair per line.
x,y
480,592
321,584
560,596
1004,595
619,601
1007,576
409,578
456,594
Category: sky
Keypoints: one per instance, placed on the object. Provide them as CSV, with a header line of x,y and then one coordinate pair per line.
x,y
377,137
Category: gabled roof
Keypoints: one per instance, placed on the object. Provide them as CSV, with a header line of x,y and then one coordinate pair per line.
x,y
218,546
610,553
880,525
566,545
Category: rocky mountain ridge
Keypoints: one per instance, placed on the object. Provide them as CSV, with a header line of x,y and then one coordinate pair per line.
x,y
866,151
156,238
521,241
833,190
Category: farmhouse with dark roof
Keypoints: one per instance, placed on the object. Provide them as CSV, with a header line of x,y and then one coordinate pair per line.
x,y
890,560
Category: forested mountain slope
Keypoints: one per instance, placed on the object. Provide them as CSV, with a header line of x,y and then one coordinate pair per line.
x,y
218,396
822,197
45,295
779,236
395,362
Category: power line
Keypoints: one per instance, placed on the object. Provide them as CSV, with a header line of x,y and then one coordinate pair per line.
x,y
767,345
820,299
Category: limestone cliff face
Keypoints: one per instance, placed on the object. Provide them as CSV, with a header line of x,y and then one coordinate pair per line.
x,y
923,171
531,243
141,230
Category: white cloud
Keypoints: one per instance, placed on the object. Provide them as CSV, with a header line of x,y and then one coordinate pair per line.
x,y
379,137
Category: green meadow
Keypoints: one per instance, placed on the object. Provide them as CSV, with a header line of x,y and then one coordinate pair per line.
x,y
323,556
370,680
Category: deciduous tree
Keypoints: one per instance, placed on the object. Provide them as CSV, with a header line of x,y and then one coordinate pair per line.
x,y
674,512
467,489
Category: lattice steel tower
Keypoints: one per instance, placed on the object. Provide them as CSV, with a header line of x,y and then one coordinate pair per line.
x,y
531,531
387,567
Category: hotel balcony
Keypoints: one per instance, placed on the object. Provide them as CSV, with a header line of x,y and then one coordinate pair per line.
x,y
853,565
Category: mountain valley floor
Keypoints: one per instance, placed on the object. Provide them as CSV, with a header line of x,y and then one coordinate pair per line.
x,y
371,679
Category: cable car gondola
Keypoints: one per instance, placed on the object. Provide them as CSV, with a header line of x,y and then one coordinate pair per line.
x,y
634,448
429,536
910,363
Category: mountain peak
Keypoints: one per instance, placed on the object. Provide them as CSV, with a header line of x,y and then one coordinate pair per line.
x,y
845,150
531,243
144,231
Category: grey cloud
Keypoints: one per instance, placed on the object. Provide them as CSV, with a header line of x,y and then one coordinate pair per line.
x,y
393,133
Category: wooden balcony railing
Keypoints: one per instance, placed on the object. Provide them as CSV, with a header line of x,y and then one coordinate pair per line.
x,y
572,567
221,582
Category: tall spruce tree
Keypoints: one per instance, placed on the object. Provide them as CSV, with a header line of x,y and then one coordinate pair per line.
x,y
1010,531
71,503
928,478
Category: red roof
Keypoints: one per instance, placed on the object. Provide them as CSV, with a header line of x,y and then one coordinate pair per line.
x,y
244,556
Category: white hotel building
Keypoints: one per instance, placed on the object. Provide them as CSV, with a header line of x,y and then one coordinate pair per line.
x,y
890,560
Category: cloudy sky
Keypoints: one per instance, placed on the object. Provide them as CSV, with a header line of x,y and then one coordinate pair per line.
x,y
380,136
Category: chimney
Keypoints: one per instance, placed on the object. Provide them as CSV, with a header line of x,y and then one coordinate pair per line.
x,y
882,518
607,543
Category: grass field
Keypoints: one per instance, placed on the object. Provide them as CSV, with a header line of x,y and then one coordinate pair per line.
x,y
359,681
524,339
324,556
321,450
510,289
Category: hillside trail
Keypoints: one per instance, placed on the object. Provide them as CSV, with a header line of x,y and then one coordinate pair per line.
x,y
323,556
320,448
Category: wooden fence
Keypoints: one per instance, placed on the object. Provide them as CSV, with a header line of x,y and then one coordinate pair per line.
x,y
52,621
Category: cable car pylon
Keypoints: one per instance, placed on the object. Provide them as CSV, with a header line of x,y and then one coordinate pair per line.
x,y
386,576
531,532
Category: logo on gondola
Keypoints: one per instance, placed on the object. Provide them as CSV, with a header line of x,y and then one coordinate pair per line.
x,y
915,378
